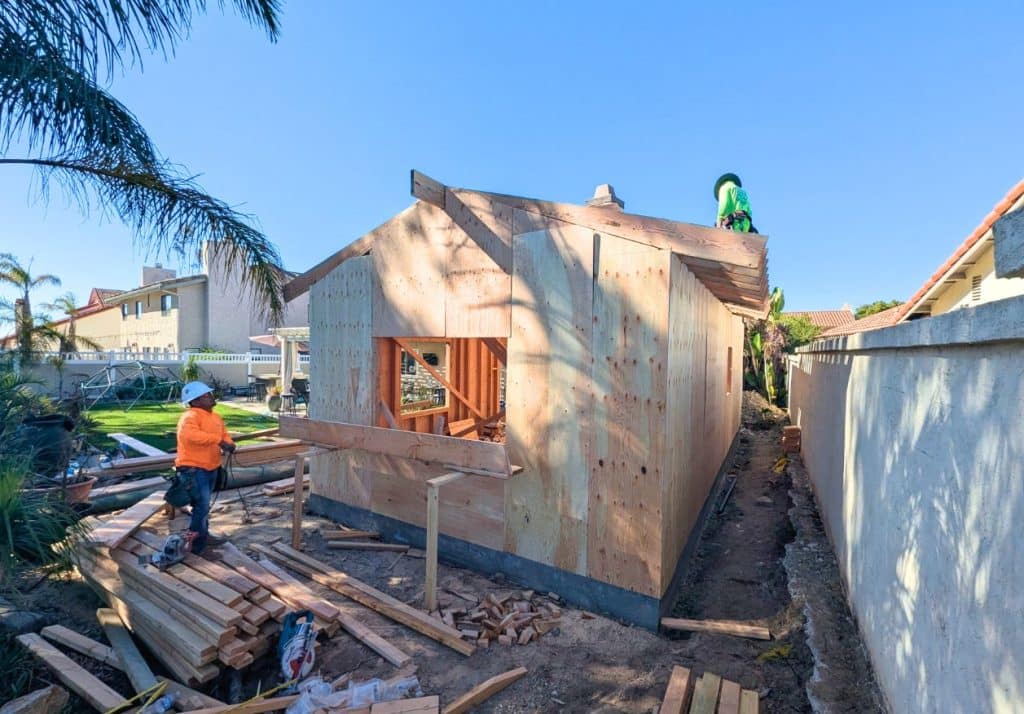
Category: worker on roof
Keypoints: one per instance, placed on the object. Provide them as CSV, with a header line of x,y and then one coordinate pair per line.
x,y
202,438
733,204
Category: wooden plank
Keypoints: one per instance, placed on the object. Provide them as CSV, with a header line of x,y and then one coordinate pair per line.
x,y
419,705
224,575
114,530
52,698
705,694
132,662
345,535
288,592
251,707
372,598
482,455
300,472
426,189
283,486
750,702
132,443
348,623
157,482
96,693
729,698
464,429
627,458
192,578
430,579
388,416
237,436
409,350
718,627
678,693
354,545
484,691
82,644
244,456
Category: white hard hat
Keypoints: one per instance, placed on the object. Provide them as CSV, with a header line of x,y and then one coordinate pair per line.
x,y
194,390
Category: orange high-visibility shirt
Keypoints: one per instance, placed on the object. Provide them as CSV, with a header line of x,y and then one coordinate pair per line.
x,y
199,436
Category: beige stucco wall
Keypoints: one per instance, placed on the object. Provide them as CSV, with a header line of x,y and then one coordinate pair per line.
x,y
153,329
958,294
912,438
191,317
103,328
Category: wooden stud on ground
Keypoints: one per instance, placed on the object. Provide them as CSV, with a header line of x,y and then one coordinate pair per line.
x,y
82,644
705,694
750,702
355,545
132,662
484,691
718,627
678,693
433,499
729,698
78,680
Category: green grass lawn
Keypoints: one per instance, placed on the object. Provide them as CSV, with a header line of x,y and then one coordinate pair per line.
x,y
155,423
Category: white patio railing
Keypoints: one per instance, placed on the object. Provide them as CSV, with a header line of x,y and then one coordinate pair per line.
x,y
114,357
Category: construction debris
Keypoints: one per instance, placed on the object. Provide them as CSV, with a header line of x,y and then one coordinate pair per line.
x,y
791,439
509,619
484,691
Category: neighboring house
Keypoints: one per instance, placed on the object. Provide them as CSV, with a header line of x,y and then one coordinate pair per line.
x,y
608,347
98,321
968,277
167,313
825,319
885,318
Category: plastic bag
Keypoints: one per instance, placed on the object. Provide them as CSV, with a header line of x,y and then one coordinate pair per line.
x,y
375,691
315,693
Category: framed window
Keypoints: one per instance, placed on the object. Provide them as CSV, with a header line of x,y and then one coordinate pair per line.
x,y
138,309
408,364
166,303
124,311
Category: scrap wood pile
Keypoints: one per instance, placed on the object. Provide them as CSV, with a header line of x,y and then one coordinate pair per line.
x,y
512,619
710,694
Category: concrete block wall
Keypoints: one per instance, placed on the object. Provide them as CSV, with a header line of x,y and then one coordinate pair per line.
x,y
914,440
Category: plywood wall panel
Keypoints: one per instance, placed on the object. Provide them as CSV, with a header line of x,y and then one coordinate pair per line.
x,y
630,361
478,291
342,370
410,259
549,396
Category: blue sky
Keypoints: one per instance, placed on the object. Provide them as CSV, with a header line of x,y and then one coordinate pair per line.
x,y
872,137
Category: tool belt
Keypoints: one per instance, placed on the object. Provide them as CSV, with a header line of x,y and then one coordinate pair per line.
x,y
736,217
181,485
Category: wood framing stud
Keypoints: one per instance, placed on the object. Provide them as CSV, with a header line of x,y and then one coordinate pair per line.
x,y
426,189
678,693
300,469
433,499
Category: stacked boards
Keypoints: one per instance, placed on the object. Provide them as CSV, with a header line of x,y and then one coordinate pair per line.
x,y
708,694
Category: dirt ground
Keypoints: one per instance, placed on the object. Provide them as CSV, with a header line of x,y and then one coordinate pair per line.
x,y
589,663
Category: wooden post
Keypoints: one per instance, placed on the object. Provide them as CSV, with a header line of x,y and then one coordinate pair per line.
x,y
300,462
433,499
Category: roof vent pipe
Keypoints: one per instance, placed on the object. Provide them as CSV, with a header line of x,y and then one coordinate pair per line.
x,y
604,197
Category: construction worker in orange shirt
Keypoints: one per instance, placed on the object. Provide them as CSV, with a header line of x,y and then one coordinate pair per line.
x,y
202,438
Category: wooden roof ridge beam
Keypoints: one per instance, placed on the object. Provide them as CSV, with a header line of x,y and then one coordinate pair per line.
x,y
745,250
428,190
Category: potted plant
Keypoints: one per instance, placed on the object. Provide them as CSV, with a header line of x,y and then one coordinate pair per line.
x,y
274,400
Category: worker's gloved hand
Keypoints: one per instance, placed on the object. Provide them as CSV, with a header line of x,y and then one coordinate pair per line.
x,y
227,447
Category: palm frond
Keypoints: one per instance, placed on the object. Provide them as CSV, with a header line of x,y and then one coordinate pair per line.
x,y
55,108
107,34
170,213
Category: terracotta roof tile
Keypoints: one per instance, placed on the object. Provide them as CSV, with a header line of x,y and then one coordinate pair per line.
x,y
885,318
825,319
995,214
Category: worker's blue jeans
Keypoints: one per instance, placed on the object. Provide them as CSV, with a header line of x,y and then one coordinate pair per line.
x,y
200,491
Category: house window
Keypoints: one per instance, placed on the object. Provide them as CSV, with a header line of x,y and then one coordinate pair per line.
x,y
166,303
408,364
976,288
138,309
124,311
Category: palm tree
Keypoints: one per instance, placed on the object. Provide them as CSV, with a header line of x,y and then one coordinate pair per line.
x,y
69,340
56,56
26,326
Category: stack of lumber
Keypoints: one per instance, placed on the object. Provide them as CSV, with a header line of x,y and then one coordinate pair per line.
x,y
509,619
710,694
791,439
344,538
197,615
283,486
